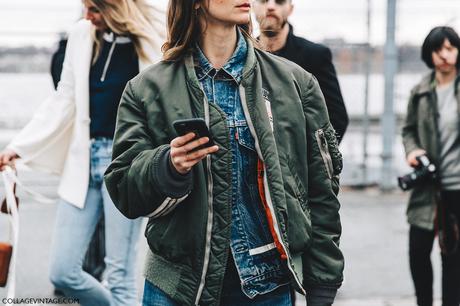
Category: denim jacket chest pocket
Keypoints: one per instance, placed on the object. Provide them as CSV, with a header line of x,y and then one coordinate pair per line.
x,y
244,136
247,156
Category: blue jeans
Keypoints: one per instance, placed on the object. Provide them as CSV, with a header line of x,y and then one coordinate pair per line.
x,y
72,235
279,297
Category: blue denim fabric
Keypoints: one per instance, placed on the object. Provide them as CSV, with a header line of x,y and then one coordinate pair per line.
x,y
259,273
72,235
153,296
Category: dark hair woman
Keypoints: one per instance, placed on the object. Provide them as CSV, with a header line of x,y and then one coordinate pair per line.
x,y
247,219
432,128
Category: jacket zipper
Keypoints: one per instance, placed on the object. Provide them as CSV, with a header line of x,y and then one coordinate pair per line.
x,y
299,199
207,251
324,150
434,98
266,187
109,58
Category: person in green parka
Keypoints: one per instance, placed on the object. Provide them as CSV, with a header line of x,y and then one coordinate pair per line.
x,y
432,128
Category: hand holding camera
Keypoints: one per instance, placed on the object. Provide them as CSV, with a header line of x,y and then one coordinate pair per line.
x,y
424,171
412,157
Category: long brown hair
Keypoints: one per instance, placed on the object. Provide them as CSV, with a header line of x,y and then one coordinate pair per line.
x,y
135,19
184,28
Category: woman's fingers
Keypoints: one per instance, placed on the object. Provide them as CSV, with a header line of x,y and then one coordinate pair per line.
x,y
184,162
182,140
6,158
200,154
194,158
184,153
190,146
195,144
412,157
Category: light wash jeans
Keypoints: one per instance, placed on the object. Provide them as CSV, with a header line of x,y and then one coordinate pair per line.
x,y
72,235
153,296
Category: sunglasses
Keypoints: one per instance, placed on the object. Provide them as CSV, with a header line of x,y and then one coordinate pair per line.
x,y
279,2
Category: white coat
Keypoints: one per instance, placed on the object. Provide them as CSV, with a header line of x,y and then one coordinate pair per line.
x,y
57,139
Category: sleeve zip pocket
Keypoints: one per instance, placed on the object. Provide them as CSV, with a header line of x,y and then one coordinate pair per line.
x,y
324,150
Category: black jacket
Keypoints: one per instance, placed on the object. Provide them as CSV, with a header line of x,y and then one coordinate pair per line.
x,y
57,61
317,59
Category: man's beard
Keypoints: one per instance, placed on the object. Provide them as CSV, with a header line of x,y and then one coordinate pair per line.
x,y
271,30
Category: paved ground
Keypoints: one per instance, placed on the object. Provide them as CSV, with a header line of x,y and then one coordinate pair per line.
x,y
374,243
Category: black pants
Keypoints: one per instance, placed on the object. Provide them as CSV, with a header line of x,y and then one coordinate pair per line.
x,y
420,246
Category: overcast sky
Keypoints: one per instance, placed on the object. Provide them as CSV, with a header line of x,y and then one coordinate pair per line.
x,y
37,22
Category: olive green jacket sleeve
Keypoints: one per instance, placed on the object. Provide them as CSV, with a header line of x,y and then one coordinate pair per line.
x,y
323,264
409,130
140,167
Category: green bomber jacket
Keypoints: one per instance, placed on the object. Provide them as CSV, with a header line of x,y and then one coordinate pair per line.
x,y
189,233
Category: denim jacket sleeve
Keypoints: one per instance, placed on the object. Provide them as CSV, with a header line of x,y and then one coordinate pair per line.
x,y
140,180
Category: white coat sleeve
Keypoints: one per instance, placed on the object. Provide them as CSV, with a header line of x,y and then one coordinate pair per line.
x,y
51,124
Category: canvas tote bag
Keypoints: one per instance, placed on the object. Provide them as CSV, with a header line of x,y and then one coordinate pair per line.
x,y
8,250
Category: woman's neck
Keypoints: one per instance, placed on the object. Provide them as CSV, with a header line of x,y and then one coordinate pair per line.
x,y
218,43
445,78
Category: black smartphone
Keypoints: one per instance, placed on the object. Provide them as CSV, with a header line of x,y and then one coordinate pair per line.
x,y
196,126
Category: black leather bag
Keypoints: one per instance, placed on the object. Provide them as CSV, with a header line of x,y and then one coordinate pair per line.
x,y
6,250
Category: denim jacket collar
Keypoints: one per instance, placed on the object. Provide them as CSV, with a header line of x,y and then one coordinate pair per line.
x,y
234,66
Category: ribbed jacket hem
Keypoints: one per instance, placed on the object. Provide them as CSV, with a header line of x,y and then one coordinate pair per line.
x,y
177,281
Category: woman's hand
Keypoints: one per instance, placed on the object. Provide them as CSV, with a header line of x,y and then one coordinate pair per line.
x,y
7,157
411,157
182,157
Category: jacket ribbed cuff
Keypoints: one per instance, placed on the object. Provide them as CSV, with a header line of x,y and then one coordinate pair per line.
x,y
172,183
321,296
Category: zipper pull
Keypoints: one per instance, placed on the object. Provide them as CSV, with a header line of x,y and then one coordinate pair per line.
x,y
109,57
323,139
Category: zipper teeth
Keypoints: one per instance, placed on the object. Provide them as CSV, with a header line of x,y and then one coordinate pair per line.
x,y
208,232
277,231
109,57
207,251
299,198
266,187
322,143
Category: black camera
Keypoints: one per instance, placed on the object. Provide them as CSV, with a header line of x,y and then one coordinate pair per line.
x,y
425,171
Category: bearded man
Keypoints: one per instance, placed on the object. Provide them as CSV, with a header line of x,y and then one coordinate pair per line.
x,y
278,38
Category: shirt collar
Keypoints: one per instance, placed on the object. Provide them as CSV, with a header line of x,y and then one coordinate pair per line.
x,y
109,37
234,66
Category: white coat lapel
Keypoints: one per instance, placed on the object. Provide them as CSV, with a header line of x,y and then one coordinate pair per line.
x,y
83,61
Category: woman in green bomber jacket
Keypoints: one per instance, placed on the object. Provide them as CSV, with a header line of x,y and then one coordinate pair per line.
x,y
244,221
432,128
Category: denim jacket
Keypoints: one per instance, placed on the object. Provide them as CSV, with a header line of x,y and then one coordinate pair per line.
x,y
257,260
